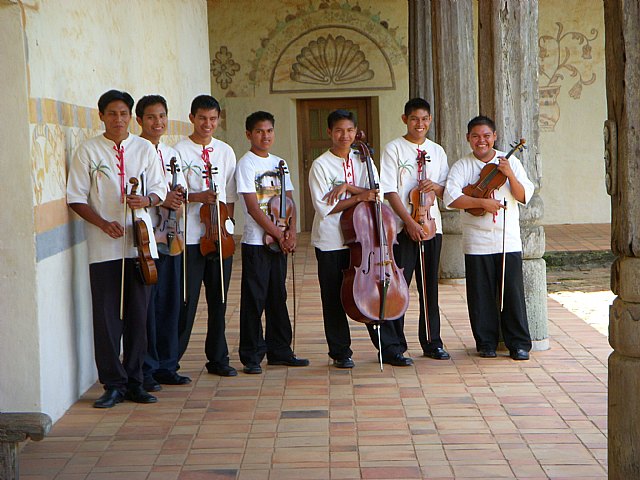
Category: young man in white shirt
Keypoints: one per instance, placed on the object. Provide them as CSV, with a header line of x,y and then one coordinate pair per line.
x,y
264,271
161,361
399,173
487,237
198,152
338,180
97,190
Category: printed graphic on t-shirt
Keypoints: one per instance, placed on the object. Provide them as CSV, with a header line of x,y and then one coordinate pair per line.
x,y
267,183
193,173
97,171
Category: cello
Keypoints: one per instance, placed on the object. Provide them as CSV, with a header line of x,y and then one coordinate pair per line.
x,y
374,288
280,211
141,240
491,179
169,236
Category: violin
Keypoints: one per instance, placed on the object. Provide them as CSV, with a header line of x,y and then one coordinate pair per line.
x,y
421,202
169,236
373,288
141,240
490,180
280,211
214,217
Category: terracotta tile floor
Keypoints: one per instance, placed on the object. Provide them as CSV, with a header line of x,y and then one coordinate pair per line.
x,y
467,418
587,236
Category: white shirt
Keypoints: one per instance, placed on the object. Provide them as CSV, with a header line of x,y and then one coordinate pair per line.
x,y
255,174
164,155
193,157
483,235
95,179
327,172
399,171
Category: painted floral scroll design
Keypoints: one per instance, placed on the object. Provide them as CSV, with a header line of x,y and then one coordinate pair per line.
x,y
224,67
563,57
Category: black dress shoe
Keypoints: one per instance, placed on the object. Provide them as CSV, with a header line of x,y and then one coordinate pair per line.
x,y
343,363
438,353
487,353
222,370
252,369
171,378
109,398
150,385
398,360
289,362
137,394
519,354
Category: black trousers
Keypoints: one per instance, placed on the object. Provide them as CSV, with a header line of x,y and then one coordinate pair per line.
x,y
108,329
484,273
263,289
205,270
407,256
162,318
336,326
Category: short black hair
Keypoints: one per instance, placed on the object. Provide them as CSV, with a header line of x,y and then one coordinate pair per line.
x,y
149,100
340,114
481,120
204,102
259,116
416,104
112,96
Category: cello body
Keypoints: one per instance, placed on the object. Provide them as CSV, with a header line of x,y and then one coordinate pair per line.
x,y
363,295
373,288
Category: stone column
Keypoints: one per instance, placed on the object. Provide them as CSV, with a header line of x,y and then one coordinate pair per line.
x,y
454,104
442,70
622,144
508,92
420,53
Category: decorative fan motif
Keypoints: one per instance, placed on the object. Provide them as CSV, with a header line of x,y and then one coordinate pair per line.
x,y
329,60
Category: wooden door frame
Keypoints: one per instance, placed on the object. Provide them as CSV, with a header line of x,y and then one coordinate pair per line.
x,y
304,163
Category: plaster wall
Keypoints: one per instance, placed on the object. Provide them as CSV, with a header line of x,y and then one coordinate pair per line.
x,y
572,111
253,50
19,354
74,54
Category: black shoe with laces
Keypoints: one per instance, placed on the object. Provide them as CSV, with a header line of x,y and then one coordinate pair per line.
x,y
137,394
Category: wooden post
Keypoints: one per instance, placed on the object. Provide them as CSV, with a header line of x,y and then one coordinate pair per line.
x,y
16,428
622,163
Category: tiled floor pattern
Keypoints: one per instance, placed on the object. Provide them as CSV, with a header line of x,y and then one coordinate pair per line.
x,y
467,418
582,237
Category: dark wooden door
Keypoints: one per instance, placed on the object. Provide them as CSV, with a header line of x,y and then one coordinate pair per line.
x,y
313,140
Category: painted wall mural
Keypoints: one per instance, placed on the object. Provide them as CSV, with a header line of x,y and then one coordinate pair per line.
x,y
223,67
328,46
564,58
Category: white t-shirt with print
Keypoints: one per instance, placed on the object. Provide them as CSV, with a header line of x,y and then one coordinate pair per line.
x,y
399,171
483,235
327,172
255,174
223,161
97,178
